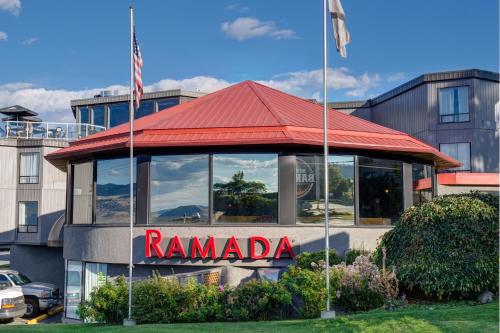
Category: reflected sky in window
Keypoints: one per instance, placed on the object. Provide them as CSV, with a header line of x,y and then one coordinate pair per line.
x,y
179,189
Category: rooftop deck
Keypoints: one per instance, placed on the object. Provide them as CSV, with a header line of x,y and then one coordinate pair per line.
x,y
47,130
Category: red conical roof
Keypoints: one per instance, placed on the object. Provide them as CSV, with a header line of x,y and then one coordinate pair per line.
x,y
249,113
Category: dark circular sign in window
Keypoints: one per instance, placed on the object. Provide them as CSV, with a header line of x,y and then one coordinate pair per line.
x,y
305,178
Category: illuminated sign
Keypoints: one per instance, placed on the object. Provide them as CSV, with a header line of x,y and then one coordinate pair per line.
x,y
208,249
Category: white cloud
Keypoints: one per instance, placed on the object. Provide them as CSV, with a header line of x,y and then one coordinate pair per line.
x,y
11,6
244,28
307,83
54,104
236,7
29,41
3,36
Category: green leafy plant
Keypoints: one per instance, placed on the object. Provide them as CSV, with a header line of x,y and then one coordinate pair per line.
x,y
352,254
107,304
447,247
258,300
309,289
306,259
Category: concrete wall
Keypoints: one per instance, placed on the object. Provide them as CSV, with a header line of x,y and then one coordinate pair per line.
x,y
39,263
109,244
8,186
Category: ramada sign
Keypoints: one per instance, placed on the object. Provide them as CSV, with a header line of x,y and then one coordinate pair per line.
x,y
231,249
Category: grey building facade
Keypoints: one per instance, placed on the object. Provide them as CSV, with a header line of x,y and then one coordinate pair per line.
x,y
452,111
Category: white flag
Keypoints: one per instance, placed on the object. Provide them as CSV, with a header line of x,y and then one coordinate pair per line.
x,y
342,36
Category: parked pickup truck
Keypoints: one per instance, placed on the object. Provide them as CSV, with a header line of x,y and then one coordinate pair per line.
x,y
38,296
11,302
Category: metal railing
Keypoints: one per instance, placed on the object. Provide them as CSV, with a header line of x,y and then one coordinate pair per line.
x,y
44,130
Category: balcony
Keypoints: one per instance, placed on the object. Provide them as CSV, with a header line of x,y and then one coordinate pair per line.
x,y
44,130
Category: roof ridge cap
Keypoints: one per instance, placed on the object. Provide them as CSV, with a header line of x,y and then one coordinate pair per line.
x,y
264,101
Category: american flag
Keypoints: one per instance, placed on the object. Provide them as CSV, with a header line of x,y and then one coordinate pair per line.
x,y
137,73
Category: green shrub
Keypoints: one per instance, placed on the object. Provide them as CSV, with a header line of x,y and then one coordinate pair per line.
x,y
308,286
447,247
107,304
305,259
165,300
352,254
258,300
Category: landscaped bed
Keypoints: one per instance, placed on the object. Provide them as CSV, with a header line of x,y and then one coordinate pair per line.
x,y
458,317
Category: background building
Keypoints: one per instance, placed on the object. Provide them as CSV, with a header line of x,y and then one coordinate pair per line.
x,y
452,111
109,109
33,191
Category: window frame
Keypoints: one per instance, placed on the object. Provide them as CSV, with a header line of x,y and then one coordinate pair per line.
x,y
28,230
38,168
455,115
454,170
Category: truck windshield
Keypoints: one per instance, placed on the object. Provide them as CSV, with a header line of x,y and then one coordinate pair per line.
x,y
19,279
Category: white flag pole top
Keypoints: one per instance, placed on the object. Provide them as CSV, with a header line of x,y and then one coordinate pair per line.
x,y
342,36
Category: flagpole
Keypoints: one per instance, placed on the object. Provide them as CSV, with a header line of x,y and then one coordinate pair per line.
x,y
129,321
328,313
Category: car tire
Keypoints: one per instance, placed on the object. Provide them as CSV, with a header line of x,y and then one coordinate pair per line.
x,y
32,307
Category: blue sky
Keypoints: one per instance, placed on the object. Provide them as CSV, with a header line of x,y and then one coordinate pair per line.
x,y
53,51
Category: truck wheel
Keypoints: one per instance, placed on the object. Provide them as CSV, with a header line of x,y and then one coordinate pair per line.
x,y
32,307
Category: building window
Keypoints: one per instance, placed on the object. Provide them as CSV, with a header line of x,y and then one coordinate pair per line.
x,y
84,115
166,103
458,151
118,114
245,188
145,108
28,216
310,189
454,104
380,191
73,294
29,168
179,189
82,193
422,183
95,276
98,115
113,191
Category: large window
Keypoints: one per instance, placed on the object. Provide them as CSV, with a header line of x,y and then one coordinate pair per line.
x,y
458,151
29,168
118,114
179,189
422,183
98,115
380,191
82,193
145,108
166,103
95,276
84,115
454,104
310,189
245,188
73,294
113,191
28,216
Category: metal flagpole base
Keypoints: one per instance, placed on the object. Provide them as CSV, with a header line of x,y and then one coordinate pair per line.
x,y
129,322
325,315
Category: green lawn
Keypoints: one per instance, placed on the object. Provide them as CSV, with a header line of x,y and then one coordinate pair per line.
x,y
421,318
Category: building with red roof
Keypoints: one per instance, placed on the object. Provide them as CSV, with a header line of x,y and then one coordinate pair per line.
x,y
229,186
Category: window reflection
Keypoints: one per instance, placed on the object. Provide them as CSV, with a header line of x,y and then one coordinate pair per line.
x,y
380,191
166,103
422,183
118,114
98,115
113,190
82,193
179,189
145,108
245,188
310,189
84,115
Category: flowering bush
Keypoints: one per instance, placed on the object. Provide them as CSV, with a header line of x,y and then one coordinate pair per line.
x,y
363,286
